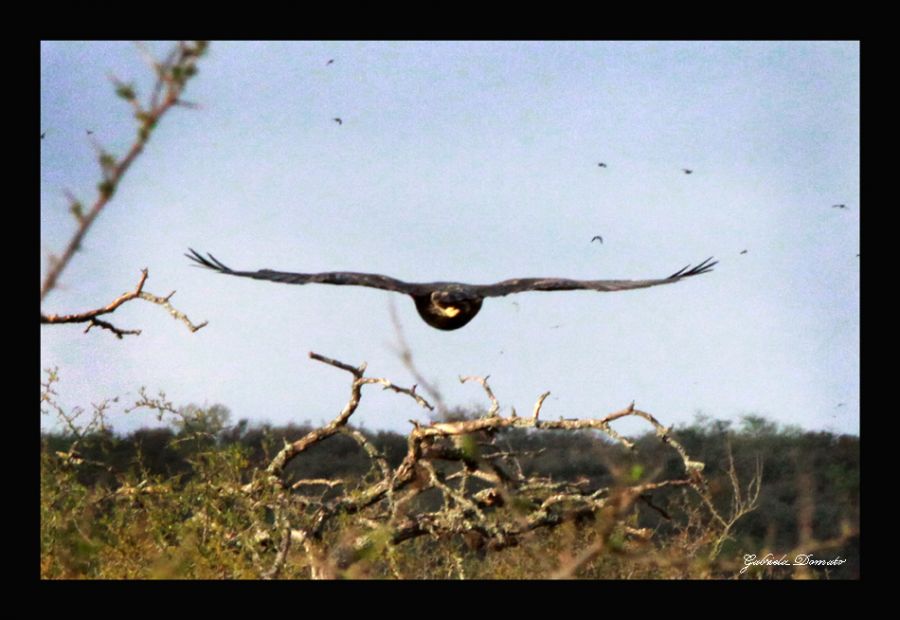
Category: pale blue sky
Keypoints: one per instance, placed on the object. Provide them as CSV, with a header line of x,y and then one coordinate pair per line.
x,y
475,162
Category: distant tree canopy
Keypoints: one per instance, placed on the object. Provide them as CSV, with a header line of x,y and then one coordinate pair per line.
x,y
830,462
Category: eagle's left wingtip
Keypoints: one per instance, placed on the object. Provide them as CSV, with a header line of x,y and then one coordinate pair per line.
x,y
688,271
211,262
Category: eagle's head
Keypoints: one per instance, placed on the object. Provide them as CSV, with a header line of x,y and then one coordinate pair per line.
x,y
447,309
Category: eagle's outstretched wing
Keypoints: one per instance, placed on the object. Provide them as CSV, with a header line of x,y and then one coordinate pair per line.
x,y
521,285
372,280
450,291
447,305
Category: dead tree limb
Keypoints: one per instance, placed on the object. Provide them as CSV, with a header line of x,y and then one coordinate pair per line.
x,y
443,456
91,316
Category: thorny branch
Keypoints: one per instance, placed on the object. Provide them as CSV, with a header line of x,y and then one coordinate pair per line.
x,y
172,76
446,457
90,316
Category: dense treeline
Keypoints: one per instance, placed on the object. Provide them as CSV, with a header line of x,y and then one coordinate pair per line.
x,y
809,492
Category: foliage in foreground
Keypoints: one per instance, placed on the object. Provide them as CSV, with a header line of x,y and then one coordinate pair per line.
x,y
196,501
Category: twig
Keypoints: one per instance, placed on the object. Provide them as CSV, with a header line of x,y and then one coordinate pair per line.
x,y
109,326
355,371
495,405
405,353
83,317
293,449
400,390
90,316
317,482
164,302
538,405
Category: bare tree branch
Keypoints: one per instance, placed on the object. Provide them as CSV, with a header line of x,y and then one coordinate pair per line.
x,y
468,511
90,316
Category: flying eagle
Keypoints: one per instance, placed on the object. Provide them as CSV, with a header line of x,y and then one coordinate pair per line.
x,y
448,305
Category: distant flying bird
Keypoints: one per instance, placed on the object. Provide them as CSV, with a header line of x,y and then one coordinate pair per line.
x,y
89,132
602,165
841,206
448,305
597,238
43,135
743,251
330,62
841,404
687,171
338,120
857,256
